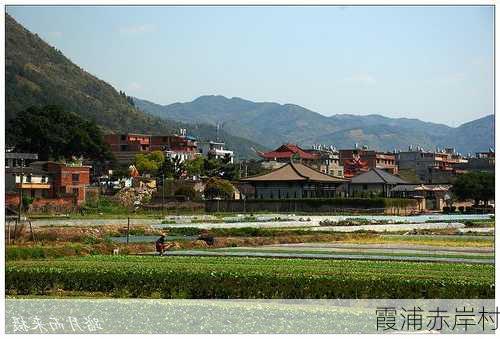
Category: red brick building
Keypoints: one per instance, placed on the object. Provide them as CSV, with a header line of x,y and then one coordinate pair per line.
x,y
47,182
126,146
66,180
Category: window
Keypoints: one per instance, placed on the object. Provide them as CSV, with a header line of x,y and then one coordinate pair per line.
x,y
123,148
75,177
365,186
28,178
123,137
44,179
75,192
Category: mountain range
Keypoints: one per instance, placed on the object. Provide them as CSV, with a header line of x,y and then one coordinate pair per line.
x,y
273,124
39,74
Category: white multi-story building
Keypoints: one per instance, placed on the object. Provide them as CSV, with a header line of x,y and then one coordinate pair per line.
x,y
215,149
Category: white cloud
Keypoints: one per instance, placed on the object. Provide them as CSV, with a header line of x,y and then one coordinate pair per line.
x,y
361,79
137,29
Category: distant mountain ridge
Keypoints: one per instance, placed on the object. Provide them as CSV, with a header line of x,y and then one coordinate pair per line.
x,y
39,74
273,124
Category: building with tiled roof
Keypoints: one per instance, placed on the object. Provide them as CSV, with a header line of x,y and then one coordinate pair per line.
x,y
285,152
323,159
374,182
359,160
294,181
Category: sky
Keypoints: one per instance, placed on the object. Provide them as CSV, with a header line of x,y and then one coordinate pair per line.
x,y
432,63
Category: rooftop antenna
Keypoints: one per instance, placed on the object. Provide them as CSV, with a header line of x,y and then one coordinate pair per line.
x,y
219,126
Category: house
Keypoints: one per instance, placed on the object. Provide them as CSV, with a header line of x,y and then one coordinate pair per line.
x,y
126,146
374,182
320,157
430,197
13,159
284,154
47,181
66,179
440,166
294,181
482,162
329,160
358,160
216,150
33,181
182,147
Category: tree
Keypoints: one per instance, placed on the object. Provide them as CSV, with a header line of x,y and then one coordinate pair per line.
x,y
194,167
478,186
186,191
229,171
55,134
149,163
172,168
216,188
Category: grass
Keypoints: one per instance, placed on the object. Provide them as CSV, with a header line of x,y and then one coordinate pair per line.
x,y
209,277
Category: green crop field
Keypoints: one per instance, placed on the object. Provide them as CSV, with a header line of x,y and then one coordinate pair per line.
x,y
209,277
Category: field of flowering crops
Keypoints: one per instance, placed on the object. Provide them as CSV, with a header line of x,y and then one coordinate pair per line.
x,y
214,277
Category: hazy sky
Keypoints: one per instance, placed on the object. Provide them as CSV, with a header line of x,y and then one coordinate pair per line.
x,y
432,63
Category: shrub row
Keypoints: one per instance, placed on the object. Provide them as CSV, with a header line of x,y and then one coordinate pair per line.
x,y
179,277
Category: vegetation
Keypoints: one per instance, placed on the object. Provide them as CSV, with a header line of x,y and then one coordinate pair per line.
x,y
104,205
478,186
216,188
348,202
37,74
149,163
202,277
271,123
186,191
55,134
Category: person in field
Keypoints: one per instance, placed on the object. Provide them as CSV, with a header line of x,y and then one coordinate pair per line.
x,y
161,245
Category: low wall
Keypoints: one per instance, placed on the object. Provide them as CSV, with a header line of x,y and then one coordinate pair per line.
x,y
373,206
41,205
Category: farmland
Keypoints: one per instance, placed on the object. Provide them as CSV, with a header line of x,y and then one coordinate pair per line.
x,y
208,277
75,260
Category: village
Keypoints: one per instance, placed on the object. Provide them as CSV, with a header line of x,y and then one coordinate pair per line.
x,y
248,169
289,172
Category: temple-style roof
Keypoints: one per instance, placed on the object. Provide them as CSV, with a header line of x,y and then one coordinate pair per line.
x,y
377,176
286,151
295,172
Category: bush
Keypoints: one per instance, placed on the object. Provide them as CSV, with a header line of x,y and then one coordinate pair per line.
x,y
218,188
186,191
251,278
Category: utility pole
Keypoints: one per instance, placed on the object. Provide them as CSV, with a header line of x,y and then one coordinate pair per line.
x,y
128,229
163,195
21,190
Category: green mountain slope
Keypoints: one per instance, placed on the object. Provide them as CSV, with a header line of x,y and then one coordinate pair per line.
x,y
273,124
474,136
38,74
